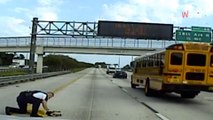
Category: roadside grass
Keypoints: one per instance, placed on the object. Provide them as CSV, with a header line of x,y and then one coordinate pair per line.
x,y
77,69
13,73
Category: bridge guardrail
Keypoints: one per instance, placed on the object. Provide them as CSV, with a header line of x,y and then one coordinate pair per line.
x,y
31,77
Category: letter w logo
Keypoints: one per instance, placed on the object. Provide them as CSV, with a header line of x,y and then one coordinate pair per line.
x,y
185,14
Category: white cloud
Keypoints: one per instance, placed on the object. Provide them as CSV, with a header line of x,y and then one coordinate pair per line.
x,y
13,26
50,2
45,13
48,9
142,10
119,14
45,2
160,11
18,26
20,10
4,1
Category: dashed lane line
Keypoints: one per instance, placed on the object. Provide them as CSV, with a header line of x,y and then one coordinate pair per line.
x,y
162,117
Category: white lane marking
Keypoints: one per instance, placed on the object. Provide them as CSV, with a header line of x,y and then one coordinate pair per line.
x,y
141,101
124,90
161,116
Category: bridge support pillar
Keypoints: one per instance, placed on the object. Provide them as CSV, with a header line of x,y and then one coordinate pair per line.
x,y
40,53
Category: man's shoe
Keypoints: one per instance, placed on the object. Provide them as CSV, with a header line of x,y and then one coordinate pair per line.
x,y
35,115
7,111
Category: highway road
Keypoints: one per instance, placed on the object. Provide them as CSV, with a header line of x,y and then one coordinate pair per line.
x,y
93,95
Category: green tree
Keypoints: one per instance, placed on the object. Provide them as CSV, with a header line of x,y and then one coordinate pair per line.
x,y
61,62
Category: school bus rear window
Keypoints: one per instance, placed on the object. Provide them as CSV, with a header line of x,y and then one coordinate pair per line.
x,y
196,59
211,61
176,58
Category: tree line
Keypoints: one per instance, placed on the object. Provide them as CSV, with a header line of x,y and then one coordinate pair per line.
x,y
61,62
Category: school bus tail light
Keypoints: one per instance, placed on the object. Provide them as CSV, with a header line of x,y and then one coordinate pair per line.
x,y
167,80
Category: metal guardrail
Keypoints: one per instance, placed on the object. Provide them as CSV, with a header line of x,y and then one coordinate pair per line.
x,y
31,77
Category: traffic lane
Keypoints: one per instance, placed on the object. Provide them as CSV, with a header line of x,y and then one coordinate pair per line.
x,y
94,97
74,100
43,85
172,105
128,74
110,99
206,96
9,93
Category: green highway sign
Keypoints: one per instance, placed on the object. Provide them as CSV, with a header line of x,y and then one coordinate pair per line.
x,y
197,28
193,36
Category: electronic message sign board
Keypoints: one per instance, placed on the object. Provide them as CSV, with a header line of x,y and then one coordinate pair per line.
x,y
135,30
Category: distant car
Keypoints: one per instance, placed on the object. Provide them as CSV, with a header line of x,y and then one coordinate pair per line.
x,y
120,74
110,70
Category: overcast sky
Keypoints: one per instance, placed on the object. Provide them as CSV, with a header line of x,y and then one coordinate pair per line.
x,y
16,15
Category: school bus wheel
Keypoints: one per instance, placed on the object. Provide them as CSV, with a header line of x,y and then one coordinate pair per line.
x,y
133,85
148,91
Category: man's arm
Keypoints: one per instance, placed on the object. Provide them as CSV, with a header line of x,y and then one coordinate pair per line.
x,y
44,104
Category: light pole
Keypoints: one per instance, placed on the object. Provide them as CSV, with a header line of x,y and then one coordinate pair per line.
x,y
119,61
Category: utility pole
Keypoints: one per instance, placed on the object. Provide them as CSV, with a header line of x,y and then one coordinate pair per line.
x,y
33,45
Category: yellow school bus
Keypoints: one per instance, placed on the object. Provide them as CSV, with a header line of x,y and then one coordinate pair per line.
x,y
184,68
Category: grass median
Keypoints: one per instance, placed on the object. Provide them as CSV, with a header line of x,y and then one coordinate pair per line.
x,y
21,72
13,73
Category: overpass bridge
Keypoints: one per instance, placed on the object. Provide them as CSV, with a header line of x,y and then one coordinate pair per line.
x,y
78,45
64,44
81,38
